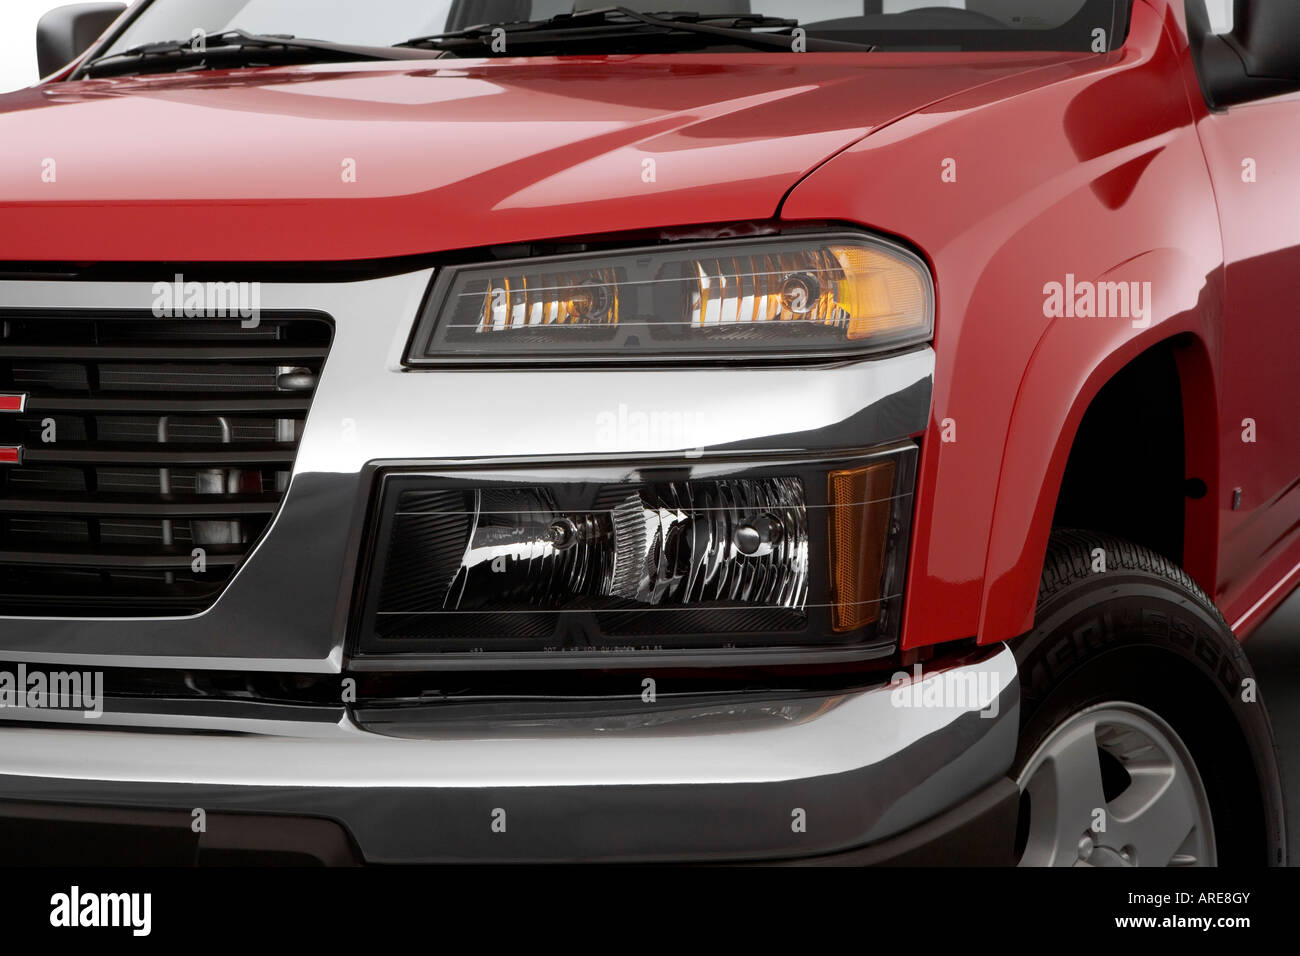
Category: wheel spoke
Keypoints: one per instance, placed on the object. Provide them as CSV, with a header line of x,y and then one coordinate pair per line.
x,y
1156,814
1071,786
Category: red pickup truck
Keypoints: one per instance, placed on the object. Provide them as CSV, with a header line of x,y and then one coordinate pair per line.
x,y
849,430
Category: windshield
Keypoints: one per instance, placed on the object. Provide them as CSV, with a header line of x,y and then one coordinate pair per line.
x,y
1082,25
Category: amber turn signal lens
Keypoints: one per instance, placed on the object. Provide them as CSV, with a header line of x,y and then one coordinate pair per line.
x,y
881,294
861,501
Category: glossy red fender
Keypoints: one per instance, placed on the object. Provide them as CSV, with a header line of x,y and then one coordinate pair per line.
x,y
1091,169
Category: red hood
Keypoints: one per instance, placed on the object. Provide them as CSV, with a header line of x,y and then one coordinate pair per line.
x,y
249,165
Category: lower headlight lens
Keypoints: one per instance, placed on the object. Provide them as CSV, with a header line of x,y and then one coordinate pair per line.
x,y
759,297
781,555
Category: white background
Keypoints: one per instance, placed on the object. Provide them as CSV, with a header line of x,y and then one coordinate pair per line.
x,y
18,40
18,35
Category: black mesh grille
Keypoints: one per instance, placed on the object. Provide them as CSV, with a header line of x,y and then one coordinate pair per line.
x,y
143,440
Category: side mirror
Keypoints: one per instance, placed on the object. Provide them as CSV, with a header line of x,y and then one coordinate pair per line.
x,y
65,33
1258,59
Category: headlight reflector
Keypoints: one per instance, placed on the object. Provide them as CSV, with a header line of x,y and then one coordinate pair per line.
x,y
740,541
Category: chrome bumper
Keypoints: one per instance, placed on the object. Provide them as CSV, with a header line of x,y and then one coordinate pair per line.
x,y
781,779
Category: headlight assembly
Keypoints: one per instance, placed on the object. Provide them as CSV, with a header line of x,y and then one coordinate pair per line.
x,y
593,562
761,298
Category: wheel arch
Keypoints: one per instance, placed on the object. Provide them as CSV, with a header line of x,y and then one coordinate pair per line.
x,y
1041,446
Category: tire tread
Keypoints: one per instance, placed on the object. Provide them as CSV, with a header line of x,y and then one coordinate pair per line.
x,y
1069,560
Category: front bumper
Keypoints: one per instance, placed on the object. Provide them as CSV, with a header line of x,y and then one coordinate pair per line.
x,y
783,780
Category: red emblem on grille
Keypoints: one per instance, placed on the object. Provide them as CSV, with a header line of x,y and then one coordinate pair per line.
x,y
13,402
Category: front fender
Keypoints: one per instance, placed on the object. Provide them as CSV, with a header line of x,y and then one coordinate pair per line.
x,y
1090,168
1073,360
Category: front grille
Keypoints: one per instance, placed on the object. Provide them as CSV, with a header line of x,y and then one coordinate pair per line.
x,y
155,454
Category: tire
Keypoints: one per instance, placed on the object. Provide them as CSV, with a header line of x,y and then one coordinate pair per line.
x,y
1139,654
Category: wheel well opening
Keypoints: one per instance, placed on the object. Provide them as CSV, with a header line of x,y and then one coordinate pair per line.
x,y
1126,474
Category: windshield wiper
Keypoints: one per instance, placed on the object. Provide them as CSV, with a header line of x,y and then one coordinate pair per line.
x,y
621,22
233,48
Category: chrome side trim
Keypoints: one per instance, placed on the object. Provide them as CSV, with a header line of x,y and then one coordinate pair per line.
x,y
286,608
